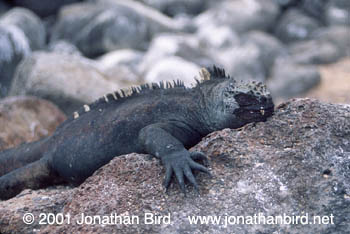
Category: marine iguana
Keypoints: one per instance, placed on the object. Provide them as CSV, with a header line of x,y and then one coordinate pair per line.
x,y
162,119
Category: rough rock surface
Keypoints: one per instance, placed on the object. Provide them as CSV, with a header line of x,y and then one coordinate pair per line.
x,y
295,163
66,80
50,200
25,119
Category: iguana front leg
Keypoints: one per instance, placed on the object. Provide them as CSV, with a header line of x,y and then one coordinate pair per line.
x,y
166,141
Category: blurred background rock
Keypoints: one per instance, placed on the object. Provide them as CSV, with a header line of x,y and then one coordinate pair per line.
x,y
71,52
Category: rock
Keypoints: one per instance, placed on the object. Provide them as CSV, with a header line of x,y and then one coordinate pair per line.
x,y
176,7
214,37
122,66
123,75
66,80
64,47
269,46
29,23
337,16
126,57
314,52
173,68
240,15
338,35
26,119
3,7
290,80
14,46
181,45
295,26
293,165
243,61
314,8
101,26
48,201
43,8
335,85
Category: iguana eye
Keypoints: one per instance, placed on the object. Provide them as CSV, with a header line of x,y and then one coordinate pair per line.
x,y
227,94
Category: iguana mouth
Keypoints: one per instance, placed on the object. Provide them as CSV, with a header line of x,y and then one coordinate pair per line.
x,y
258,112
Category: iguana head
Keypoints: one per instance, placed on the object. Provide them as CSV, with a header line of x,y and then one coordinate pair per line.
x,y
231,103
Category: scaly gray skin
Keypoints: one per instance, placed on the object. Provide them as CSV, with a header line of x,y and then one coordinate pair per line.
x,y
160,119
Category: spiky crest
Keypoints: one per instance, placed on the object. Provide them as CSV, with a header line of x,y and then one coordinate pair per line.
x,y
211,74
206,74
126,93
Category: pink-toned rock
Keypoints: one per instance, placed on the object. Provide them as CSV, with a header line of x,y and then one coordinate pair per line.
x,y
13,211
25,119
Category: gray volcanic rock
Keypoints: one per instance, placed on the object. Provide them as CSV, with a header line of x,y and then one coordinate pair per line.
x,y
104,25
181,45
242,61
122,66
175,7
167,69
63,47
270,47
337,12
290,80
295,26
240,15
21,31
25,119
3,7
212,37
14,46
337,35
29,23
43,8
66,80
125,57
314,52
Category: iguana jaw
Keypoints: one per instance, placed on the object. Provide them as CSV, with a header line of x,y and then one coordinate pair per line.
x,y
255,113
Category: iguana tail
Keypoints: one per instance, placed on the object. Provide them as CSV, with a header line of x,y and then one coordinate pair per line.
x,y
32,176
22,155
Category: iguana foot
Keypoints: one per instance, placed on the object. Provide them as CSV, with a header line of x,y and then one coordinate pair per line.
x,y
182,163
